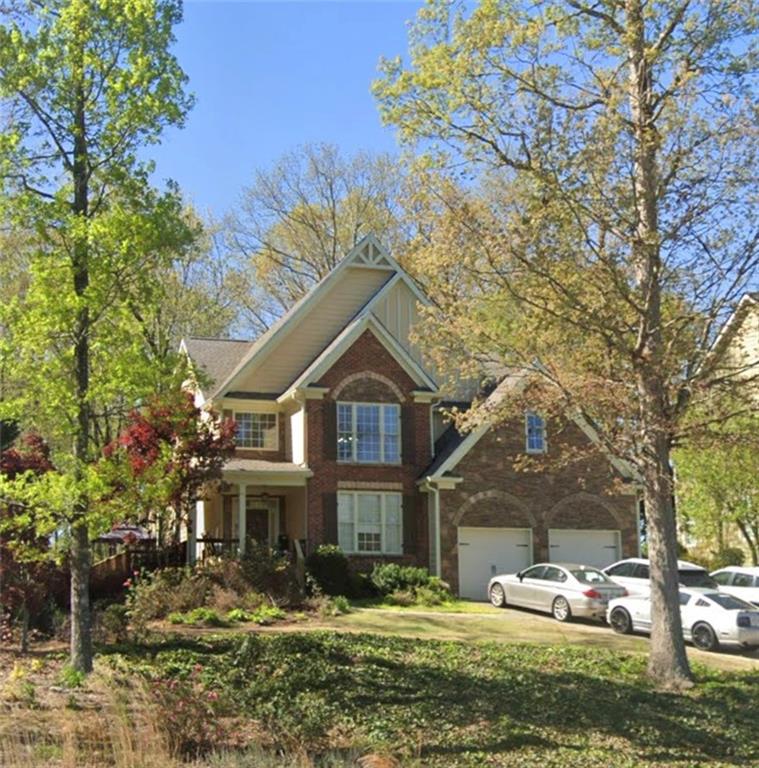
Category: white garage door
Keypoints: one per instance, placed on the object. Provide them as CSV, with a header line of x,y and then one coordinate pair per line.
x,y
485,552
597,548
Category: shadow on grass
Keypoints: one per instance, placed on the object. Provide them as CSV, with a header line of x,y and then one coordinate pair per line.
x,y
451,698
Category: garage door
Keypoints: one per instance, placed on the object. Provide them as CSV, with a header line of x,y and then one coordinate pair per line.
x,y
485,552
597,548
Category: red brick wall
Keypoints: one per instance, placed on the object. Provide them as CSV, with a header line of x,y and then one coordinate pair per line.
x,y
367,354
579,494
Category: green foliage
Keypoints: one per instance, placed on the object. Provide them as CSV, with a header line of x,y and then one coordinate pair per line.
x,y
408,585
114,622
202,615
263,615
727,556
70,677
441,701
270,572
156,594
327,565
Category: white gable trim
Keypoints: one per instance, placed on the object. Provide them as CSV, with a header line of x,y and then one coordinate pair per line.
x,y
332,353
354,258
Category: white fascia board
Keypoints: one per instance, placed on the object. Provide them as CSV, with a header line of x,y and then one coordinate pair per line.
x,y
431,483
402,357
461,450
254,478
624,468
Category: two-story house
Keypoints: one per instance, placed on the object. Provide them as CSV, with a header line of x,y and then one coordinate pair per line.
x,y
340,440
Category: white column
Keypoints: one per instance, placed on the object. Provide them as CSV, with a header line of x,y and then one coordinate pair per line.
x,y
200,525
192,536
242,501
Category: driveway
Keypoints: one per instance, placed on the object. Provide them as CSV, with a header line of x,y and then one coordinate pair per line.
x,y
511,625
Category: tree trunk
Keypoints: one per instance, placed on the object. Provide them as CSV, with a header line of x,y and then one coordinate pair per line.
x,y
80,561
668,663
24,628
751,541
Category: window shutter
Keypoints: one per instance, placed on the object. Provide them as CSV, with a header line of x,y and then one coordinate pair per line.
x,y
409,525
408,435
329,429
329,510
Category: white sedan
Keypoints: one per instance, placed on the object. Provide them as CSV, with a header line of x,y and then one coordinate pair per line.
x,y
739,581
710,619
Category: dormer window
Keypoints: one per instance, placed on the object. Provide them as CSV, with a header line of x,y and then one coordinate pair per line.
x,y
257,430
369,433
535,433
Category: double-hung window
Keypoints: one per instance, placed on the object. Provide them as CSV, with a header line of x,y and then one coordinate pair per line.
x,y
369,433
257,430
535,433
370,523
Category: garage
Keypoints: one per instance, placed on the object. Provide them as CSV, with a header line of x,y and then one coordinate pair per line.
x,y
485,552
586,547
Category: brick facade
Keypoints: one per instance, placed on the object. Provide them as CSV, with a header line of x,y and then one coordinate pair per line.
x,y
366,372
494,493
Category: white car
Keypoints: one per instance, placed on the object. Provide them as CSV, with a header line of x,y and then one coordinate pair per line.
x,y
739,581
710,619
633,575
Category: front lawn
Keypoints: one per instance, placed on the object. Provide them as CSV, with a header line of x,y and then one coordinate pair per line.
x,y
437,703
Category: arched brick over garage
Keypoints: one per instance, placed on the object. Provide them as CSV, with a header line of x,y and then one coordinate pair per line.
x,y
589,529
499,527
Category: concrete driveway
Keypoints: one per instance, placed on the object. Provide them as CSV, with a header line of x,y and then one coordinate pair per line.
x,y
513,625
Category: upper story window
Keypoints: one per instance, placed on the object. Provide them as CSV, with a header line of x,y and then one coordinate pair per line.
x,y
369,433
257,430
535,433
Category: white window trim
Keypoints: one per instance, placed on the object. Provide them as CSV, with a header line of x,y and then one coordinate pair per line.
x,y
354,433
383,496
527,448
259,413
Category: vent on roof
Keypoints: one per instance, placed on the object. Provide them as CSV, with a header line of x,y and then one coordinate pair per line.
x,y
370,255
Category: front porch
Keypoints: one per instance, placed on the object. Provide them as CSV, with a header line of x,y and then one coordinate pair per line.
x,y
258,501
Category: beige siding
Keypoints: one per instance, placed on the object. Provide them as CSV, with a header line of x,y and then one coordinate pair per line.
x,y
305,338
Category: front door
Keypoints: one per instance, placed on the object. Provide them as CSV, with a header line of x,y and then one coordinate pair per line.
x,y
257,526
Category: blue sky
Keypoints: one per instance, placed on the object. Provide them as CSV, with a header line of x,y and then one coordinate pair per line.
x,y
269,76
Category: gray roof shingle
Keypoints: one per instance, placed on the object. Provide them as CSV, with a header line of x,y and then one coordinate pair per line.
x,y
216,358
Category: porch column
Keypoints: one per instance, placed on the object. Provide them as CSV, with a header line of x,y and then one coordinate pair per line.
x,y
242,501
192,536
199,528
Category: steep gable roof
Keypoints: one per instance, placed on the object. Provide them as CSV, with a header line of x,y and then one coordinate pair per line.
x,y
315,321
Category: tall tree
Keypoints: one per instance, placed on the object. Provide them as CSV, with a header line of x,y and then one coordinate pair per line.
x,y
614,226
717,486
299,218
87,84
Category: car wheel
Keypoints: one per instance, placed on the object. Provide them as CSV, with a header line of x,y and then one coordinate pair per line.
x,y
497,596
561,610
620,621
704,637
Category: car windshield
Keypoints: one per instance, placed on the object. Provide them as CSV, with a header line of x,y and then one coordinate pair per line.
x,y
696,578
730,603
590,576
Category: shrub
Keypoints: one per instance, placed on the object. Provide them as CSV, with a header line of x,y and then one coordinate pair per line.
x,y
328,567
114,622
157,594
408,585
727,556
206,616
272,573
238,614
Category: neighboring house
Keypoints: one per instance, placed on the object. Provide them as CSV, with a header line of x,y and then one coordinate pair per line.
x,y
736,350
341,439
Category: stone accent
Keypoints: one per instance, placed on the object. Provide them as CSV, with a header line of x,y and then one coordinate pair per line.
x,y
367,372
494,493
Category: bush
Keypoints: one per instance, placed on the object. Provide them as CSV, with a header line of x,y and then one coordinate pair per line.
x,y
272,573
170,590
113,622
408,585
727,556
328,568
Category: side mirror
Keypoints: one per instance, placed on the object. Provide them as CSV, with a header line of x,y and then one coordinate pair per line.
x,y
520,575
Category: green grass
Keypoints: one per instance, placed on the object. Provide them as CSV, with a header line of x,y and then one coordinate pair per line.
x,y
438,703
450,606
